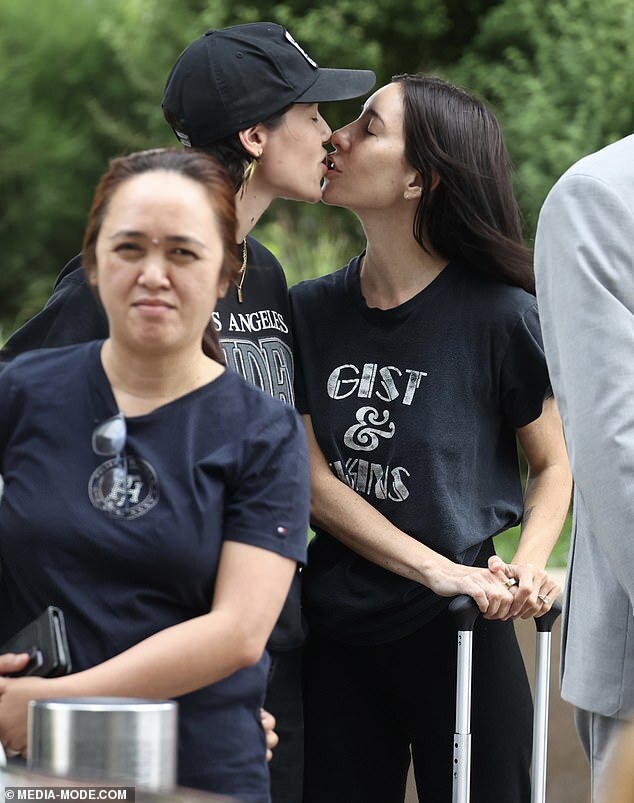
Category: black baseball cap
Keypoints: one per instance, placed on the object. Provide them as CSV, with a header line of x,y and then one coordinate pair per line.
x,y
232,78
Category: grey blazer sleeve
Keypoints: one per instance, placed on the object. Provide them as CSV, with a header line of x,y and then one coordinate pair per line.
x,y
584,262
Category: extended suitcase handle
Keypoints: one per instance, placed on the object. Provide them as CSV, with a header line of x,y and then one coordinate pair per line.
x,y
465,613
545,623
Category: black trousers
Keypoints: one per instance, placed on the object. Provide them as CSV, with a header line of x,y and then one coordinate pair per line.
x,y
365,708
284,701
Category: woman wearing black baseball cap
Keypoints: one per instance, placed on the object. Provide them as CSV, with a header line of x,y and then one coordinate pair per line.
x,y
233,78
248,95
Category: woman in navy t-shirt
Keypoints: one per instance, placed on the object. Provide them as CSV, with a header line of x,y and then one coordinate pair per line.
x,y
158,499
417,365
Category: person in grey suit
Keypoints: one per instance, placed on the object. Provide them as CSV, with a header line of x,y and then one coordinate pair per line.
x,y
584,265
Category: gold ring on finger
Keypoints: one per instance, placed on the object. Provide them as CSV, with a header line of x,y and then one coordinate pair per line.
x,y
544,598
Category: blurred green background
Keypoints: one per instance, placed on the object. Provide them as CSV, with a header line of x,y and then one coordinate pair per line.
x,y
82,80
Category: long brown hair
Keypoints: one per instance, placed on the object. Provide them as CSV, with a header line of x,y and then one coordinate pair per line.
x,y
472,213
195,165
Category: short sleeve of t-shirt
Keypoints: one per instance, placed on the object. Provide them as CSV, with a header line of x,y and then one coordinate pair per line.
x,y
524,381
268,504
127,559
298,302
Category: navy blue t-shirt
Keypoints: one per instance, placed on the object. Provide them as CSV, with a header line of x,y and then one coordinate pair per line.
x,y
124,560
416,408
255,337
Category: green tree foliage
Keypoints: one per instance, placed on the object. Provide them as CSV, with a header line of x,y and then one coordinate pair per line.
x,y
388,36
81,81
59,73
560,74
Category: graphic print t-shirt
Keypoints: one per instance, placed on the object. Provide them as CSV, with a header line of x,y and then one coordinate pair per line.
x,y
126,558
415,408
255,336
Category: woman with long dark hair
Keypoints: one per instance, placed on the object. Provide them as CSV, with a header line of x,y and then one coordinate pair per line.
x,y
419,365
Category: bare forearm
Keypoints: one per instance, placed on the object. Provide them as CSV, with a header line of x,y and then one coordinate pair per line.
x,y
340,511
546,504
251,586
547,494
353,521
350,519
173,662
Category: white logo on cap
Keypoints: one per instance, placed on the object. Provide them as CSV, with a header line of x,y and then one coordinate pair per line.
x,y
301,50
184,138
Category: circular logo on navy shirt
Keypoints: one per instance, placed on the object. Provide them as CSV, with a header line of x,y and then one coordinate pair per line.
x,y
125,491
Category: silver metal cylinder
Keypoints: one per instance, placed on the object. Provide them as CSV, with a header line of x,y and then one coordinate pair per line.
x,y
462,735
463,681
540,718
113,738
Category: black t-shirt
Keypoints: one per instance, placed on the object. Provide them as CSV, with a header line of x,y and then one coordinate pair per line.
x,y
126,558
416,409
255,336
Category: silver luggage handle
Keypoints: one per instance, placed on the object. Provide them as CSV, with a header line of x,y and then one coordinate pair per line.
x,y
465,613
